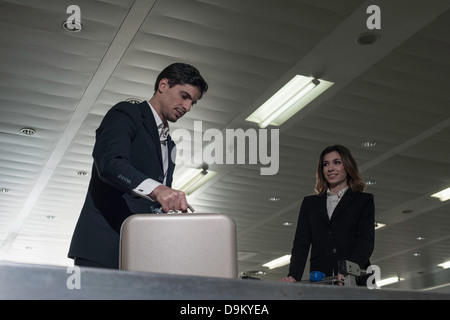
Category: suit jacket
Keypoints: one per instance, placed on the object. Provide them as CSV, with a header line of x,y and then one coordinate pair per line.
x,y
127,151
348,235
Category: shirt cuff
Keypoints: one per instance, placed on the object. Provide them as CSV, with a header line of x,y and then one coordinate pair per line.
x,y
145,188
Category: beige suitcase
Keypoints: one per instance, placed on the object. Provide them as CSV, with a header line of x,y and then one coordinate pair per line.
x,y
188,244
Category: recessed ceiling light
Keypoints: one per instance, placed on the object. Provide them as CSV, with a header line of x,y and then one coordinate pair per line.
x,y
274,199
287,224
367,38
28,131
417,254
420,238
371,183
72,27
369,144
133,100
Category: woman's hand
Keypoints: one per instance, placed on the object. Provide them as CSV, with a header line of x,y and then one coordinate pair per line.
x,y
288,279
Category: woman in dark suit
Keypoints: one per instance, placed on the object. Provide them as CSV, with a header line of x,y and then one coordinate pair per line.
x,y
338,223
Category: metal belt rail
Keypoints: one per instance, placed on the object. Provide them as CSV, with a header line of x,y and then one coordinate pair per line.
x,y
350,270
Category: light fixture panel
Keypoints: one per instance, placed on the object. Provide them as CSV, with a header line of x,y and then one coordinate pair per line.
x,y
279,262
289,100
388,281
191,179
443,195
445,265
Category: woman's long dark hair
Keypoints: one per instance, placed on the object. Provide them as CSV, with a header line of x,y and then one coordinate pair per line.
x,y
354,180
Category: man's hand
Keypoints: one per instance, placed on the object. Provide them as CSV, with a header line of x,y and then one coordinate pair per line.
x,y
170,199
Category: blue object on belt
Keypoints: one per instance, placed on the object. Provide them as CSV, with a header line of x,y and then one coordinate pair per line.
x,y
316,276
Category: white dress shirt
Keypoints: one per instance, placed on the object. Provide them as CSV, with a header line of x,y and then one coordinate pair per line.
x,y
333,200
148,185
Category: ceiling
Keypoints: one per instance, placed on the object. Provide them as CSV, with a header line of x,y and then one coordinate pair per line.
x,y
395,92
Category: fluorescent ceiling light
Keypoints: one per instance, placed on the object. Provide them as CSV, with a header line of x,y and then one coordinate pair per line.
x,y
379,225
289,100
279,262
388,281
445,265
443,195
192,179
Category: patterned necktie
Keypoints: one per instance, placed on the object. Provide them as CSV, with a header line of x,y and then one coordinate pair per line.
x,y
163,135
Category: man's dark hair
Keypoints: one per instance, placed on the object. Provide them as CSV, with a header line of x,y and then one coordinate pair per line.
x,y
182,73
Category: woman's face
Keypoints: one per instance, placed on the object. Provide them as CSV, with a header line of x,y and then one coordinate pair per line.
x,y
333,170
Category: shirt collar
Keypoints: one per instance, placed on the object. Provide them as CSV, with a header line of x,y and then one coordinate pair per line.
x,y
163,130
340,193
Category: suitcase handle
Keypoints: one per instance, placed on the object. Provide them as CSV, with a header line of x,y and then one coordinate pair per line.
x,y
179,211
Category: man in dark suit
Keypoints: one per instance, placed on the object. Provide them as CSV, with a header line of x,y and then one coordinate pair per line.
x,y
133,168
338,223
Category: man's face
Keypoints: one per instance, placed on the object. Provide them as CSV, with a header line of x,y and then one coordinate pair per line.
x,y
177,101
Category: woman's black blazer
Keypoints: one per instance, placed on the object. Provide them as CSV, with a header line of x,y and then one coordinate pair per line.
x,y
348,235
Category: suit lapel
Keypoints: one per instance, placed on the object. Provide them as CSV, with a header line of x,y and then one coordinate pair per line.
x,y
346,200
323,207
171,147
150,126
